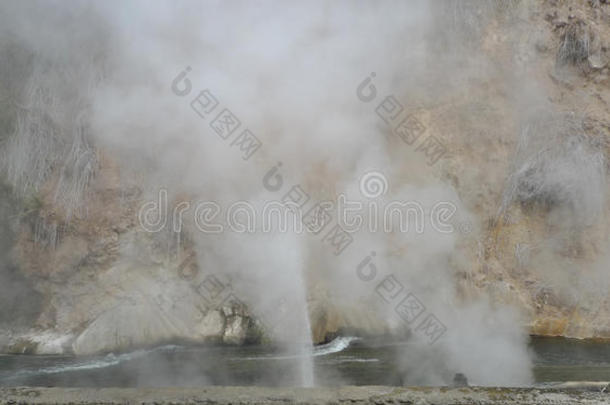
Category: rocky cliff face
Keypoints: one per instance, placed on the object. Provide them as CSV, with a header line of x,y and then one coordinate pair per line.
x,y
544,227
97,299
95,281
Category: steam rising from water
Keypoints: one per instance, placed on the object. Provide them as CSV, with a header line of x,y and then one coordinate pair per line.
x,y
289,72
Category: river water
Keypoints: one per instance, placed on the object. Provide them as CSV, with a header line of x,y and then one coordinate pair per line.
x,y
345,361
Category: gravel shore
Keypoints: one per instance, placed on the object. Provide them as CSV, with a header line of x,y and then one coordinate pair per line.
x,y
263,395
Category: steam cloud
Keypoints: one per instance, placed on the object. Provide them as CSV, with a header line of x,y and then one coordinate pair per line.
x,y
101,74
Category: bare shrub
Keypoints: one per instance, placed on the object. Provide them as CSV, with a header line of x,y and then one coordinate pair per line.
x,y
557,164
51,136
574,49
